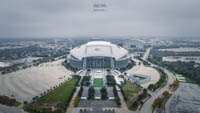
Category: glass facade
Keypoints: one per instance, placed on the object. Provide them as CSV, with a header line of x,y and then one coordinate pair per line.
x,y
122,63
98,62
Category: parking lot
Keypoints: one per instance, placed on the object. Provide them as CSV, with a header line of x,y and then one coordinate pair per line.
x,y
97,105
5,109
186,99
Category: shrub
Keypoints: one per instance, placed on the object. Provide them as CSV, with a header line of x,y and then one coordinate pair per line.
x,y
135,105
80,92
117,99
165,94
110,80
85,80
76,101
104,94
91,93
156,103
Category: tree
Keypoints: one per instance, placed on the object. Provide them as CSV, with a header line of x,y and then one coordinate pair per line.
x,y
117,100
85,80
145,91
115,91
91,93
165,93
156,103
104,94
135,104
111,80
151,87
25,102
80,91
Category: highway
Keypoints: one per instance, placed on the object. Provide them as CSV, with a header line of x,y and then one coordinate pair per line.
x,y
147,107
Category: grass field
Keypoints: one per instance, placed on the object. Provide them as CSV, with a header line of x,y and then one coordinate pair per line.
x,y
130,89
98,82
58,98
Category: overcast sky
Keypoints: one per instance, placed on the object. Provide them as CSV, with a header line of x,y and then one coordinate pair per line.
x,y
63,18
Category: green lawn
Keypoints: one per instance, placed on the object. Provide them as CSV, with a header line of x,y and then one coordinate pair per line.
x,y
57,98
130,89
97,82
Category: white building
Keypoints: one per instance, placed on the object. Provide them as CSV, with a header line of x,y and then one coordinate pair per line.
x,y
98,54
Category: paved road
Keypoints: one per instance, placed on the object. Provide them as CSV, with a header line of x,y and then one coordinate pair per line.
x,y
146,54
147,107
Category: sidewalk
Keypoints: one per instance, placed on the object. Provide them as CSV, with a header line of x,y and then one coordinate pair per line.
x,y
71,106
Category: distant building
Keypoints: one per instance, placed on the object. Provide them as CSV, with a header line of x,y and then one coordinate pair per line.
x,y
133,46
120,44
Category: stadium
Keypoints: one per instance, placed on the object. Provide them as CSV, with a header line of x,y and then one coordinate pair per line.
x,y
97,55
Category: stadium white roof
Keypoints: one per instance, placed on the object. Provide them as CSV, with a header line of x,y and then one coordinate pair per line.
x,y
98,48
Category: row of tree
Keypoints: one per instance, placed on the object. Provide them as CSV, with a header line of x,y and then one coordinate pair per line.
x,y
85,81
110,80
91,93
9,101
30,109
161,82
117,99
143,61
104,93
77,98
160,101
140,99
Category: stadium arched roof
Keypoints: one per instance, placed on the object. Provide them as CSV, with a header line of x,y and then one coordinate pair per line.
x,y
99,48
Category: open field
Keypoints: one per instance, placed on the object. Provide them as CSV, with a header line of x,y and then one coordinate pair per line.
x,y
98,82
28,83
57,98
130,89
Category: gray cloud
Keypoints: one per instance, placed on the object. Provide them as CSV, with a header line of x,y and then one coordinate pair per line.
x,y
49,18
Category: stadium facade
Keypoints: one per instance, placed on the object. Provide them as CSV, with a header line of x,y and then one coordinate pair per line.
x,y
98,54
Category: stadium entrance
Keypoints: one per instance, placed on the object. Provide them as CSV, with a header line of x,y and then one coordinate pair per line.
x,y
98,62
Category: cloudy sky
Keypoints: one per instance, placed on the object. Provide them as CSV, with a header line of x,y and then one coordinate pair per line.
x,y
63,18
